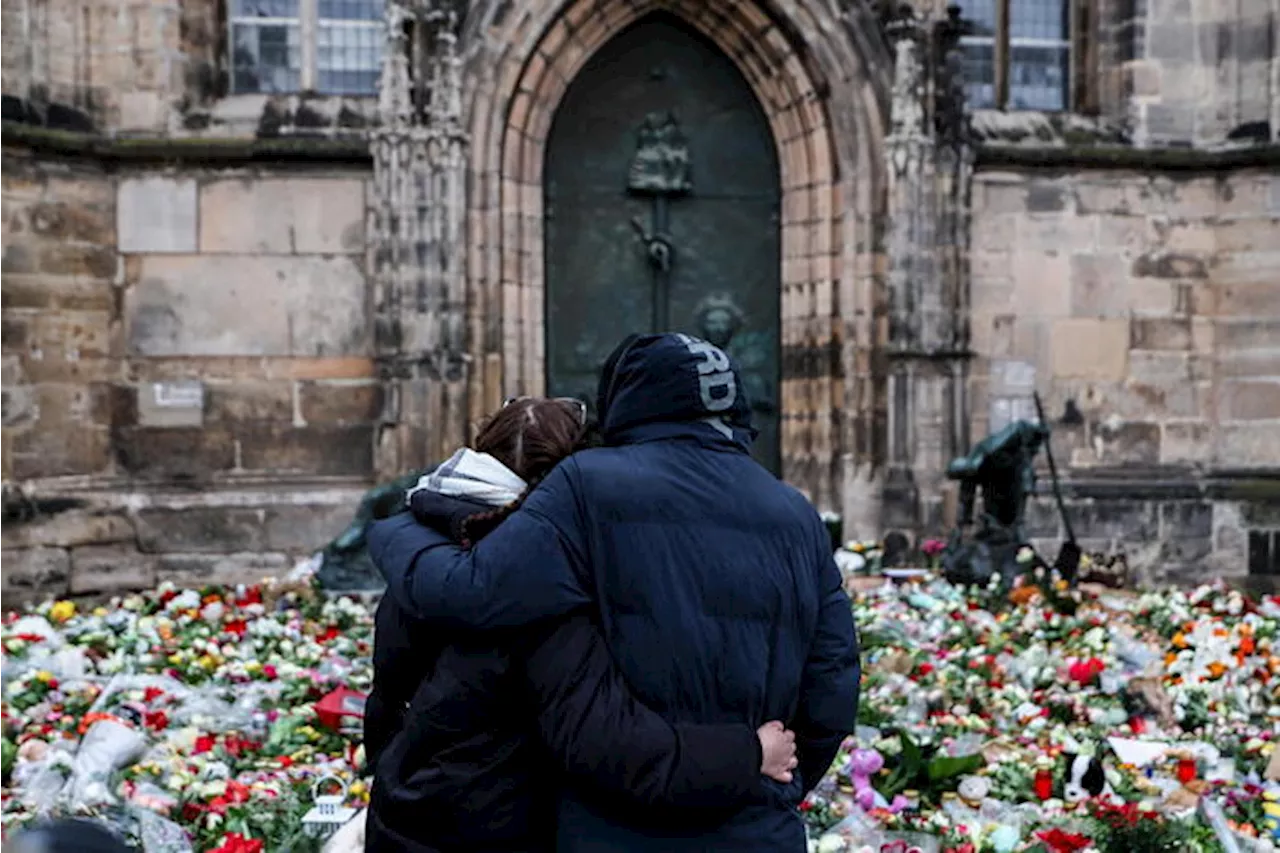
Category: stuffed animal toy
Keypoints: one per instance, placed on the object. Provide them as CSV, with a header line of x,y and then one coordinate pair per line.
x,y
863,764
1085,779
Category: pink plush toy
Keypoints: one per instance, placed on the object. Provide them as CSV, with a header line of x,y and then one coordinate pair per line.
x,y
863,764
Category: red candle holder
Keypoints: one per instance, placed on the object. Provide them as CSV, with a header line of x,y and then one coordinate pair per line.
x,y
1043,784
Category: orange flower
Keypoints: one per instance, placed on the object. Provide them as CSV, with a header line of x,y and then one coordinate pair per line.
x,y
1170,658
1217,669
1247,646
93,717
1024,594
1179,640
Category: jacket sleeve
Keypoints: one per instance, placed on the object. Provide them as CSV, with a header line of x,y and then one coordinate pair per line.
x,y
490,585
828,707
619,749
384,710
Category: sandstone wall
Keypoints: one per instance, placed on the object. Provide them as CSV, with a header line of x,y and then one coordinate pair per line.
x,y
187,366
1146,310
1196,70
154,69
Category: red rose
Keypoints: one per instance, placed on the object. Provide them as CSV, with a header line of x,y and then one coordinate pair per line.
x,y
236,626
1059,841
151,694
234,842
237,792
156,720
269,671
204,743
1085,671
252,595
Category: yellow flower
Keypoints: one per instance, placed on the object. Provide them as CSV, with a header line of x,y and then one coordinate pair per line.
x,y
99,612
208,662
44,676
62,611
358,789
175,658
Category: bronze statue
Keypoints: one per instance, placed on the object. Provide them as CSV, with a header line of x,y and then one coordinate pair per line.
x,y
1003,467
346,565
720,322
661,163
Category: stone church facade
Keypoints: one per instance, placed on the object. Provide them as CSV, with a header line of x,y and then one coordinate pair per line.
x,y
260,254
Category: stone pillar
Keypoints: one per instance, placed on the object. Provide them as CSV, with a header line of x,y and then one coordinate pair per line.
x,y
419,152
930,168
908,148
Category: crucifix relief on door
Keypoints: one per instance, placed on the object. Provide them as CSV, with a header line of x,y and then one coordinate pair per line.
x,y
662,199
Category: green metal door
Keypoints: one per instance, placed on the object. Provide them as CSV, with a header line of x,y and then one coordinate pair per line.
x,y
662,213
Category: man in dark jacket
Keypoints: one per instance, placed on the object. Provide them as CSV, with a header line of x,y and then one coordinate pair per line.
x,y
715,584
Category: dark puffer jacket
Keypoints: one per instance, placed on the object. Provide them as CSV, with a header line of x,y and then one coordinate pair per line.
x,y
718,594
472,733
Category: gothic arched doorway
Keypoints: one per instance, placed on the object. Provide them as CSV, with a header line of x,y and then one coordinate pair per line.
x,y
662,213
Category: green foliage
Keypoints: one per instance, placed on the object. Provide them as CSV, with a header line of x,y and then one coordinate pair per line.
x,y
920,769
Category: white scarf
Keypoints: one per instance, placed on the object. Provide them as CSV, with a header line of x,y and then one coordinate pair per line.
x,y
473,476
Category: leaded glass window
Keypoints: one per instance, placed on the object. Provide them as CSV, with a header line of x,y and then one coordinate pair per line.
x,y
1018,54
332,47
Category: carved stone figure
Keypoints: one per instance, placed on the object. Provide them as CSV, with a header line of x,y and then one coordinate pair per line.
x,y
1002,467
346,565
661,164
720,322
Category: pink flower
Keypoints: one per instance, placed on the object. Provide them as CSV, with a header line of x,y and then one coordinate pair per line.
x,y
932,547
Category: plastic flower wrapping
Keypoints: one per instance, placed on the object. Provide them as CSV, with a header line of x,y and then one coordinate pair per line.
x,y
1000,721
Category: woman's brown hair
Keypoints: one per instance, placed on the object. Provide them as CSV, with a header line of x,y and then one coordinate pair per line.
x,y
530,436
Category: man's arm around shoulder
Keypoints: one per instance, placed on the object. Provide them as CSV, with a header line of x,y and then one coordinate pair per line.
x,y
526,569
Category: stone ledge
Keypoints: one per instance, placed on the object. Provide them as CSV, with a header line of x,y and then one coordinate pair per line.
x,y
309,149
203,151
1166,483
993,156
99,492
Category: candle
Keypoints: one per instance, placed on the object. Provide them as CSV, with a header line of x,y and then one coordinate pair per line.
x,y
1044,784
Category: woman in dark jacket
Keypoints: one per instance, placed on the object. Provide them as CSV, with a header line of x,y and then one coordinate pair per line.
x,y
468,734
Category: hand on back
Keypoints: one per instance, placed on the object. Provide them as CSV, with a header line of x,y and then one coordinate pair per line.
x,y
778,748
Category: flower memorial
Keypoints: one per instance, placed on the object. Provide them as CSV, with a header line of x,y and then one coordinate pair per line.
x,y
1045,721
1057,721
186,718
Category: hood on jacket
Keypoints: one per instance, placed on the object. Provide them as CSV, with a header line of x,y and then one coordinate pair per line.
x,y
672,379
471,476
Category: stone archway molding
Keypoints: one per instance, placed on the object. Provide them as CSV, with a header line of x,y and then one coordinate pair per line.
x,y
821,81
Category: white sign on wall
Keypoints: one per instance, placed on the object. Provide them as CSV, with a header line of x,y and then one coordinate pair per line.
x,y
171,404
